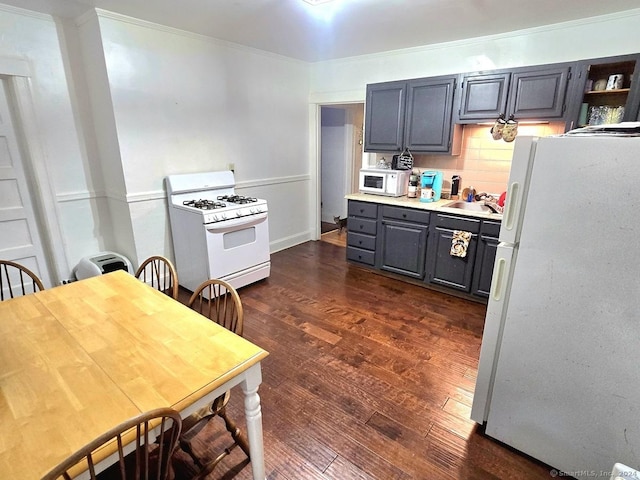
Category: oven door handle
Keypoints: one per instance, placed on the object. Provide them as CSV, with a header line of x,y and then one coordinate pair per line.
x,y
236,223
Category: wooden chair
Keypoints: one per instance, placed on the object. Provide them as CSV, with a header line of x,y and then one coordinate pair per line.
x,y
220,302
151,458
17,280
160,273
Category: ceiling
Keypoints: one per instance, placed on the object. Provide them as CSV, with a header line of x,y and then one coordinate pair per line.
x,y
341,28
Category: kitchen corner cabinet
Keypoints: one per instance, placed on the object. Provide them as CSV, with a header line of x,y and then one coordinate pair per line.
x,y
444,269
596,100
403,240
485,258
362,227
529,93
414,114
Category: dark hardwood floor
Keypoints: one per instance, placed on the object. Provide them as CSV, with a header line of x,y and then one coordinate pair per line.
x,y
367,378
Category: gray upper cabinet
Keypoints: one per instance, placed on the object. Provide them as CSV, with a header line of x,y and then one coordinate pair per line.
x,y
384,117
531,93
484,97
416,114
428,118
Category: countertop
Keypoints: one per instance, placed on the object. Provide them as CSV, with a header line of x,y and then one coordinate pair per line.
x,y
438,207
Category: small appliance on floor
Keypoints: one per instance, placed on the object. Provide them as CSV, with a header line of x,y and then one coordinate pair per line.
x,y
431,186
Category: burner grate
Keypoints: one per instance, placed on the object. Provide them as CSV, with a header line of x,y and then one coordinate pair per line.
x,y
203,204
240,199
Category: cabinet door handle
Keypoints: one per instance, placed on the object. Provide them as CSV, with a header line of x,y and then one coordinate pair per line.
x,y
404,215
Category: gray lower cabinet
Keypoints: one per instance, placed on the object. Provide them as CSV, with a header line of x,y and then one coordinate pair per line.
x,y
485,258
416,244
443,268
362,227
403,240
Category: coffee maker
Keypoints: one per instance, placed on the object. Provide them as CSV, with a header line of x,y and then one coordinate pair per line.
x,y
431,186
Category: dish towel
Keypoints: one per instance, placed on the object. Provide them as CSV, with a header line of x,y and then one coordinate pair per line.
x,y
459,243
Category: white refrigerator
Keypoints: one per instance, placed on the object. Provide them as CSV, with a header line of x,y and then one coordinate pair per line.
x,y
559,370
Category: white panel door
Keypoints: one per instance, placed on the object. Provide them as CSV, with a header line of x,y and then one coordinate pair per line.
x,y
19,236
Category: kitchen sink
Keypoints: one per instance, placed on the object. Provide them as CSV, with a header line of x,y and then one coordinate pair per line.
x,y
475,207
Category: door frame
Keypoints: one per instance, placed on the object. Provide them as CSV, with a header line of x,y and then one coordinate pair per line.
x,y
17,74
315,131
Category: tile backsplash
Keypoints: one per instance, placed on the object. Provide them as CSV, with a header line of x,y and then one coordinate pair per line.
x,y
483,163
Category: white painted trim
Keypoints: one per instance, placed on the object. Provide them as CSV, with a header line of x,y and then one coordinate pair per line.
x,y
273,181
315,166
338,97
25,12
176,31
15,67
46,206
79,196
155,195
497,37
291,241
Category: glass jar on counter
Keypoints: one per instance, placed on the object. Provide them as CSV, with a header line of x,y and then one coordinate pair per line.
x,y
412,191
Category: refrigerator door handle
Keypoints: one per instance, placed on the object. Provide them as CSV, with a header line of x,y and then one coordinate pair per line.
x,y
510,211
498,282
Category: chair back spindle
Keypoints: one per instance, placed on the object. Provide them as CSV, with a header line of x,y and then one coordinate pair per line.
x,y
155,437
220,302
17,280
160,273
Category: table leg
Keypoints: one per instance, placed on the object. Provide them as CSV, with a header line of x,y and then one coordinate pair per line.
x,y
253,414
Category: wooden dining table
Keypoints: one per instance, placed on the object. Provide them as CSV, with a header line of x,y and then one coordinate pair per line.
x,y
78,359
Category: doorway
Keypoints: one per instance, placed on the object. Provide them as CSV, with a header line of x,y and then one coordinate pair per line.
x,y
21,240
341,141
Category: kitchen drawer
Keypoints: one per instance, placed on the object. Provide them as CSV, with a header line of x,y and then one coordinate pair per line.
x,y
490,228
361,225
360,255
363,209
408,214
452,222
361,241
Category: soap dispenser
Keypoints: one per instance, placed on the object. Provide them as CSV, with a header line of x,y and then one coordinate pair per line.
x,y
471,195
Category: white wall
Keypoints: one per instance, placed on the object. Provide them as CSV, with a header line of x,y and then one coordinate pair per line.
x,y
186,103
346,79
54,139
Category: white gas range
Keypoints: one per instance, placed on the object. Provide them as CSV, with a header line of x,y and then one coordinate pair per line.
x,y
216,233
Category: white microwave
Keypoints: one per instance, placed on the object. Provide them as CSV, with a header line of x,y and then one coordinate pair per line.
x,y
381,181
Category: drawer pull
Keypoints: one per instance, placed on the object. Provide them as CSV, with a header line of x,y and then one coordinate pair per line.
x,y
360,242
361,227
404,215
